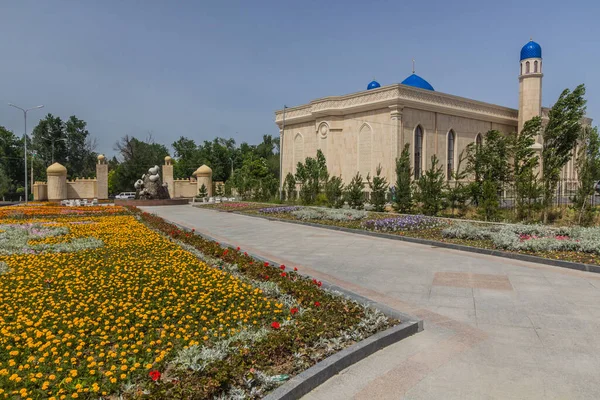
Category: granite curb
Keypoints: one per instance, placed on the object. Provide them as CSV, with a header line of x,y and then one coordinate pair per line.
x,y
314,376
435,243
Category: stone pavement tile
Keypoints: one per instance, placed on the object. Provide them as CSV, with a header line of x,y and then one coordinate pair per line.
x,y
462,380
561,386
565,323
451,301
569,361
451,291
459,314
355,378
490,352
516,335
503,316
576,341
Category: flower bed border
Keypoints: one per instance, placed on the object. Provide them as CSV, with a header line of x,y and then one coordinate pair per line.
x,y
314,376
497,253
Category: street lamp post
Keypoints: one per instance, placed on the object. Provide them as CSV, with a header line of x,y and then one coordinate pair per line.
x,y
25,144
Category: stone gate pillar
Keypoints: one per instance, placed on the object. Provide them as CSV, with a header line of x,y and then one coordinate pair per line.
x,y
57,182
101,178
167,175
204,176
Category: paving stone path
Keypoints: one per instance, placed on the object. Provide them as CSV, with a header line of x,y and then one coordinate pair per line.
x,y
494,328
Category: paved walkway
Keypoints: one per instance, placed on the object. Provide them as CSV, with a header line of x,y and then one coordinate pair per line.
x,y
494,328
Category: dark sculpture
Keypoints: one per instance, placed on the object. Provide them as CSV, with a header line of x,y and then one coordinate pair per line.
x,y
151,187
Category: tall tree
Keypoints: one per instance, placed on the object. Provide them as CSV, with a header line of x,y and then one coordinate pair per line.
x,y
588,173
431,188
560,136
379,187
403,191
136,157
525,166
11,159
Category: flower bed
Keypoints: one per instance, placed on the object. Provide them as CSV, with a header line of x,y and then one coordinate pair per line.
x,y
156,312
530,238
278,210
403,223
329,214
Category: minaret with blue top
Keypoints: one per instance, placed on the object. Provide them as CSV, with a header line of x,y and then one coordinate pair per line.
x,y
530,83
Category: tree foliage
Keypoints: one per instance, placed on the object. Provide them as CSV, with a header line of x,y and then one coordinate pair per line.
x,y
354,192
334,191
430,193
403,199
588,173
457,191
560,135
312,176
379,187
525,169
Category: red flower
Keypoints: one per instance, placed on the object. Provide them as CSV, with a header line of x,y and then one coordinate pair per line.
x,y
155,375
283,274
238,249
275,325
282,267
314,281
266,264
293,310
295,269
317,304
266,277
246,254
319,283
225,252
193,230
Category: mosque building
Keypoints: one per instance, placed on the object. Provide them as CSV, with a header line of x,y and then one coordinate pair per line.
x,y
359,131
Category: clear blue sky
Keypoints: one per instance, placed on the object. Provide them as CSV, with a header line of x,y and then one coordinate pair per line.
x,y
220,68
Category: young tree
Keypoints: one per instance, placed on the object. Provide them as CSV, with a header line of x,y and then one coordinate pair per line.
x,y
430,188
588,173
219,190
457,192
488,161
403,191
290,186
560,136
202,192
379,186
334,190
312,176
525,165
354,192
489,206
4,183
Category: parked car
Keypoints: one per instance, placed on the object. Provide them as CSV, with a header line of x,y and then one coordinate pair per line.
x,y
125,195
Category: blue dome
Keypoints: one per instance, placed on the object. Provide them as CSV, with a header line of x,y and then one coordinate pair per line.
x,y
416,81
531,50
373,85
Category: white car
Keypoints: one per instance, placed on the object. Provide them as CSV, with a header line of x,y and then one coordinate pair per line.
x,y
125,195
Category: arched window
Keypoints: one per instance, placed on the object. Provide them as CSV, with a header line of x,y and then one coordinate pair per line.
x,y
298,150
418,151
478,141
365,150
527,67
535,66
450,155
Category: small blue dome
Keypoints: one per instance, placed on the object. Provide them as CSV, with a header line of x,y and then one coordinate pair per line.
x,y
416,81
373,85
531,50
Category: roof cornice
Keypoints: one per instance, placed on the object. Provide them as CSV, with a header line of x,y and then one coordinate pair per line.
x,y
401,95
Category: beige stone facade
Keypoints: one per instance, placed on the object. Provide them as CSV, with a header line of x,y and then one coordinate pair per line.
x,y
360,131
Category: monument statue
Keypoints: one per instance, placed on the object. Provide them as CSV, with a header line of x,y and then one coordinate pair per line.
x,y
151,187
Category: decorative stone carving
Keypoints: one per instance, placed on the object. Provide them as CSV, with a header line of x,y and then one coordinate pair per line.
x,y
151,187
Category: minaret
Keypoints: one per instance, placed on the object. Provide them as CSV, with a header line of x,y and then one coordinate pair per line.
x,y
530,83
